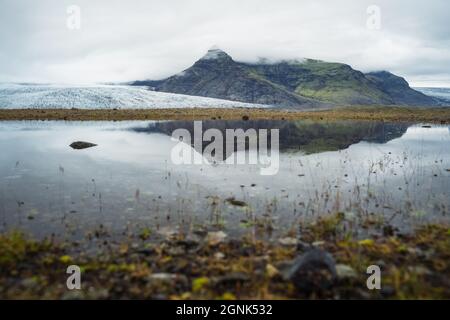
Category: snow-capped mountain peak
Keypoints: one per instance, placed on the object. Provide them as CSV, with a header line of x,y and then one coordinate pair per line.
x,y
215,53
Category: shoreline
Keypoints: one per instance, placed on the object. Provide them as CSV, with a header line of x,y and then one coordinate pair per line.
x,y
384,113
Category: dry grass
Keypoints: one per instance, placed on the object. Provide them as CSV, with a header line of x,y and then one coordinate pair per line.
x,y
379,113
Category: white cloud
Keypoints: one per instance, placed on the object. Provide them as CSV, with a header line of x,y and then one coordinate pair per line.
x,y
137,39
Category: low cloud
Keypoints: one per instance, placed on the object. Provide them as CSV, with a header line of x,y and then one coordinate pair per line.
x,y
123,41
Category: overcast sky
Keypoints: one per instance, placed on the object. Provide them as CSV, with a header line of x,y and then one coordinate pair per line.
x,y
127,40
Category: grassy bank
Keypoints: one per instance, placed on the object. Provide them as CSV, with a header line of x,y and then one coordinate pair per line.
x,y
211,266
432,115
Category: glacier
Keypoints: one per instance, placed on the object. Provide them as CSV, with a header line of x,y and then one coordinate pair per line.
x,y
45,96
443,94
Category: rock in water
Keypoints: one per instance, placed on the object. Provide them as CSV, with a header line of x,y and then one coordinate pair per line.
x,y
313,271
237,203
78,145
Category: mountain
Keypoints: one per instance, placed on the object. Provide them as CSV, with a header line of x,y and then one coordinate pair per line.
x,y
217,75
299,84
330,82
399,90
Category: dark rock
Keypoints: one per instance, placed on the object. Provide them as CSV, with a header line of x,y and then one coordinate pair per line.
x,y
78,145
387,291
235,202
188,243
313,271
231,279
389,230
147,251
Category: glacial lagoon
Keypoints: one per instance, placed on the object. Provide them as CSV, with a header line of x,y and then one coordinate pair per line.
x,y
397,171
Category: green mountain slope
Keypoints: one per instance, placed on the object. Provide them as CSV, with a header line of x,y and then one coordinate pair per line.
x,y
330,82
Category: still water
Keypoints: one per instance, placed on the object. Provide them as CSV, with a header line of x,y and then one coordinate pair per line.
x,y
128,182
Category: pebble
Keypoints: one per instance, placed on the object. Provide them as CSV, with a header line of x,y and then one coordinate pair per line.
x,y
215,238
167,279
344,271
288,241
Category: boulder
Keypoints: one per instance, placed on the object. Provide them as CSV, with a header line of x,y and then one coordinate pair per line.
x,y
313,271
78,145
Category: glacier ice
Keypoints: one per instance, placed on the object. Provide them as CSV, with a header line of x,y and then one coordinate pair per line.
x,y
102,97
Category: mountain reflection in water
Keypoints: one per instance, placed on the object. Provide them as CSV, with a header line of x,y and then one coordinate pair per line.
x,y
399,171
306,136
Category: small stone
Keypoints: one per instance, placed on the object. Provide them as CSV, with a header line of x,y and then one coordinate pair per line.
x,y
97,293
175,250
147,251
344,271
232,279
363,294
29,283
214,238
237,203
288,241
420,270
167,232
135,245
163,276
219,255
190,242
161,279
388,230
73,295
387,291
318,243
78,145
